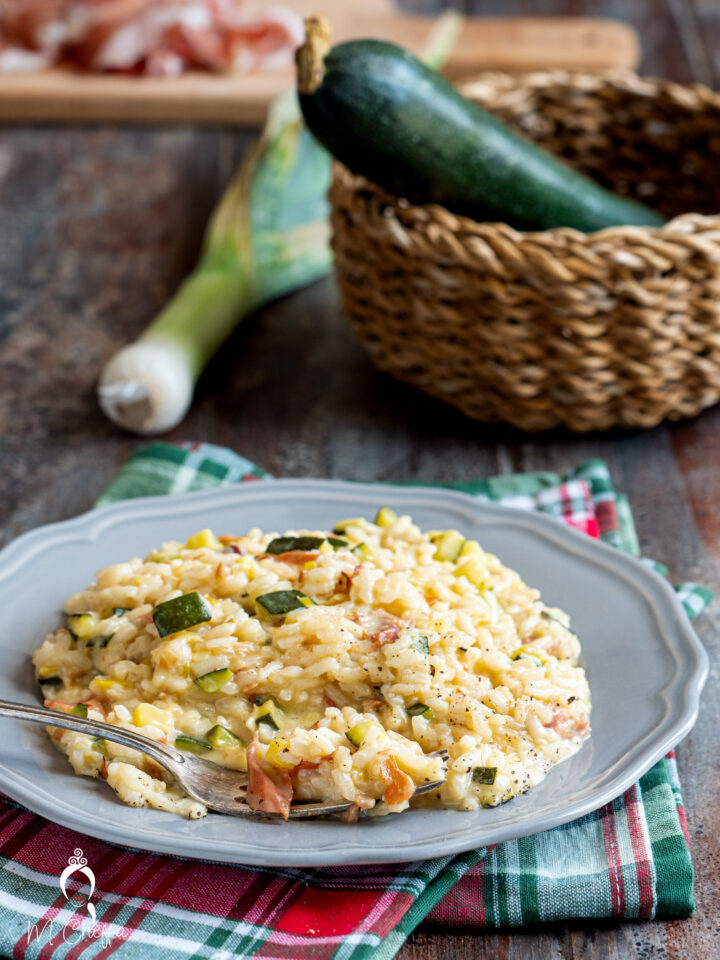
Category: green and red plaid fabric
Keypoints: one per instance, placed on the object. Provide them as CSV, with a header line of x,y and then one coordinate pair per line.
x,y
628,860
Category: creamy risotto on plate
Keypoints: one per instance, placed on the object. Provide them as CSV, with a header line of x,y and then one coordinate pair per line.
x,y
329,666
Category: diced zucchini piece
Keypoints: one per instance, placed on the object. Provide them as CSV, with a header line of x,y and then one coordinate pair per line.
x,y
220,737
548,616
215,680
180,613
160,557
342,525
474,570
471,548
484,775
492,601
114,612
420,644
283,601
100,642
49,673
269,713
82,625
79,710
104,684
147,713
385,517
412,764
362,550
337,543
191,744
100,744
286,544
420,710
205,538
529,653
277,752
448,545
357,734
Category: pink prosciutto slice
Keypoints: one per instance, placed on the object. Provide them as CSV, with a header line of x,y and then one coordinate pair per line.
x,y
265,793
38,25
264,39
399,787
14,59
380,626
154,37
122,35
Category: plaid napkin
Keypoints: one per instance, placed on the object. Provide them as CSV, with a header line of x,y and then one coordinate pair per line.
x,y
628,860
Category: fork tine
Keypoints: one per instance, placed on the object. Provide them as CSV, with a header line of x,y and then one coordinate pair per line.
x,y
306,811
428,787
298,811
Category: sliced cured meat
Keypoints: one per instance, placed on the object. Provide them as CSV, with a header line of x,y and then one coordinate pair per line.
x,y
39,25
399,786
15,59
264,39
266,793
153,37
380,626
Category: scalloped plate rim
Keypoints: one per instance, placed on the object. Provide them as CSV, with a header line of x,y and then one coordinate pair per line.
x,y
656,592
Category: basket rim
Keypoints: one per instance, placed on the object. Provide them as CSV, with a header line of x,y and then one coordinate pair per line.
x,y
616,78
686,224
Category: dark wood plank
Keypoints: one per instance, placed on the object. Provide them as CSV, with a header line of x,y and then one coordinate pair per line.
x,y
692,30
707,16
429,6
97,228
551,942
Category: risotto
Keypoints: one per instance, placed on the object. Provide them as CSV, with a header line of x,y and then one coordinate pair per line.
x,y
328,666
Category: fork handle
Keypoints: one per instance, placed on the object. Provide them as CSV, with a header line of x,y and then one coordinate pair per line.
x,y
165,755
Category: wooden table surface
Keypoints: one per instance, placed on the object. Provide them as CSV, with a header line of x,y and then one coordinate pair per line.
x,y
97,226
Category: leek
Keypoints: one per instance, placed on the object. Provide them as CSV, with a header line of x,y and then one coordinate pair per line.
x,y
268,236
443,37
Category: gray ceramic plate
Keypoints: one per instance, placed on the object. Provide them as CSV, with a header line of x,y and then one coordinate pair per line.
x,y
646,669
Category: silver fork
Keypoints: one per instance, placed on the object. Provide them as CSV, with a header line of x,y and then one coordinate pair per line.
x,y
220,789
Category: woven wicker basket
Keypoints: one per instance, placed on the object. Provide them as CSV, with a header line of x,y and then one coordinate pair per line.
x,y
620,327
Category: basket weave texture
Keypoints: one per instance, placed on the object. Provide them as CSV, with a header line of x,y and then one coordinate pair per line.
x,y
554,328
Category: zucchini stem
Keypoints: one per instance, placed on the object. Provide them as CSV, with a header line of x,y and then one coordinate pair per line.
x,y
311,55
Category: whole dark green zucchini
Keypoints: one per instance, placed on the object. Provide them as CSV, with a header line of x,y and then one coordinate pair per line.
x,y
385,115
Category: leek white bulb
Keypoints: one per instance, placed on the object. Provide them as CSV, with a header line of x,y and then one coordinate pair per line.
x,y
268,236
147,387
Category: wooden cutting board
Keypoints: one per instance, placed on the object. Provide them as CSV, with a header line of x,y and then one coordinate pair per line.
x,y
512,44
